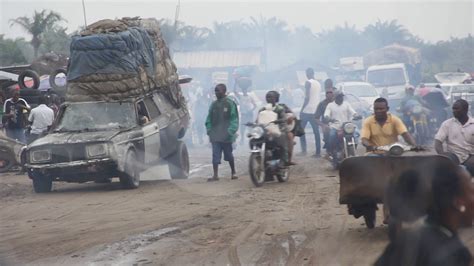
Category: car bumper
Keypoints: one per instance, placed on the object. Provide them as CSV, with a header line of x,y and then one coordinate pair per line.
x,y
82,163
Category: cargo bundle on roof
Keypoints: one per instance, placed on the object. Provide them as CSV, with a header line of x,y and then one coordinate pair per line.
x,y
116,59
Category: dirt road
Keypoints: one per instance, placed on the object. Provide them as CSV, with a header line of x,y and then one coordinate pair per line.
x,y
188,222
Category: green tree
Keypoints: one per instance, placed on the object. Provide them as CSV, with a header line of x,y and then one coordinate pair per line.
x,y
383,33
37,25
10,52
342,41
56,39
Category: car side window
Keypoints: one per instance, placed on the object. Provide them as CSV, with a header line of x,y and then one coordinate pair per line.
x,y
143,115
152,108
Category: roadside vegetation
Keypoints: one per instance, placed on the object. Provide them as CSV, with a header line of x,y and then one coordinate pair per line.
x,y
281,44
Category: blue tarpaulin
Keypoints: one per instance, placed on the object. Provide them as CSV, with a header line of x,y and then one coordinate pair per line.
x,y
113,53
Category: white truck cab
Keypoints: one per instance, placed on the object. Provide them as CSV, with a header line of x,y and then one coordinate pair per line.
x,y
389,80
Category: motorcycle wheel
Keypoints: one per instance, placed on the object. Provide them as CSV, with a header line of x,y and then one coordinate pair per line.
x,y
420,136
257,174
369,218
283,175
351,151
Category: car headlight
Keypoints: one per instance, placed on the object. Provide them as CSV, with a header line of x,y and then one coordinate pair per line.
x,y
40,156
97,150
349,128
257,132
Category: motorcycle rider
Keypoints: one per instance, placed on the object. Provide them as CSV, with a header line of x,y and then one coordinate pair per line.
x,y
285,117
407,104
337,113
458,133
320,115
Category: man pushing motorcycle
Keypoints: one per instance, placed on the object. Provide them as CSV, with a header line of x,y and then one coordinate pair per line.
x,y
381,129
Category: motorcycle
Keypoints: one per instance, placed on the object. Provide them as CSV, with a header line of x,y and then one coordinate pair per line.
x,y
419,122
364,179
346,144
265,155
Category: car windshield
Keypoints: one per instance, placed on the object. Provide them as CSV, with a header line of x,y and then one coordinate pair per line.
x,y
361,90
386,77
97,116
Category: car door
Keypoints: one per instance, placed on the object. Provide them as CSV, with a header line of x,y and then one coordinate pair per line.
x,y
167,123
151,130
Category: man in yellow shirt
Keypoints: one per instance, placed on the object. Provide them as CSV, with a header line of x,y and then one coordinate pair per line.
x,y
383,128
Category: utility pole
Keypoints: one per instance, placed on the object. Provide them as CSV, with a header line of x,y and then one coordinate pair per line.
x,y
176,17
84,13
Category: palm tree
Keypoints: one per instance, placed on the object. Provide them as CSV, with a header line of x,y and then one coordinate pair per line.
x,y
37,25
387,32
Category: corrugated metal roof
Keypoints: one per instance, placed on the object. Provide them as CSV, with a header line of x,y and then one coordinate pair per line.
x,y
217,59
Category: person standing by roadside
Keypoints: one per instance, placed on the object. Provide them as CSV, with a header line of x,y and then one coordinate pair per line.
x,y
15,109
222,124
247,107
311,101
41,118
458,133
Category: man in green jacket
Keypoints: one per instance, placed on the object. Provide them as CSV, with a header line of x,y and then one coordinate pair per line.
x,y
222,124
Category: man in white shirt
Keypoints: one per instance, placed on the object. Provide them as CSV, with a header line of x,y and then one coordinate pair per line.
x,y
41,119
458,134
337,113
307,115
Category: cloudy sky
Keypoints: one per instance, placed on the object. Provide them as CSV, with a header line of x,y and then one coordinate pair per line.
x,y
431,20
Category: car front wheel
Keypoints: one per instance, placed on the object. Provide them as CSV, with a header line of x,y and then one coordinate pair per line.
x,y
41,183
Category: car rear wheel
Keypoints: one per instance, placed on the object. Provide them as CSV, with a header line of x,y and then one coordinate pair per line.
x,y
130,179
178,163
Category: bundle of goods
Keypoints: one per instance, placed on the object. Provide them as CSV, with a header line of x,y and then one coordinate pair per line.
x,y
117,59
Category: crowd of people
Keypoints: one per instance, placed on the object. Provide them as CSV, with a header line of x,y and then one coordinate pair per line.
x,y
22,122
435,241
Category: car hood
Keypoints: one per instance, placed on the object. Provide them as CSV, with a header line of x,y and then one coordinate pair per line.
x,y
75,137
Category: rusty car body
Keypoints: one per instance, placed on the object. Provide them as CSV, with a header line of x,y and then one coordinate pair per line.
x,y
93,141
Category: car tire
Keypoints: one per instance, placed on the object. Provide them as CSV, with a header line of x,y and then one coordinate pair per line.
x,y
8,160
178,163
52,78
130,179
42,183
28,73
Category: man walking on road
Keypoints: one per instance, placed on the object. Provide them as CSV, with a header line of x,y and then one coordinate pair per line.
x,y
41,119
311,101
222,124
